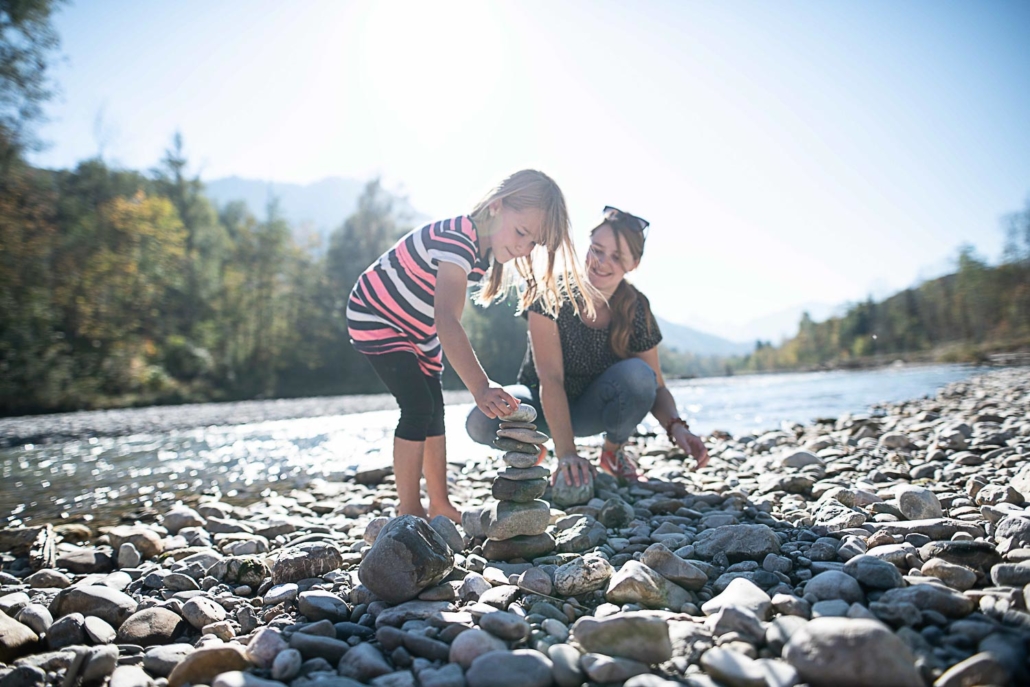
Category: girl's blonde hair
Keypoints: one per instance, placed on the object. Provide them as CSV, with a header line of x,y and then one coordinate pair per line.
x,y
626,299
524,190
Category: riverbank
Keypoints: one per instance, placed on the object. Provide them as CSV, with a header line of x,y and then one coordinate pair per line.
x,y
156,420
797,555
43,429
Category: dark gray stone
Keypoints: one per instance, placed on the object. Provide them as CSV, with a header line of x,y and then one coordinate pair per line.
x,y
873,572
67,631
519,668
520,491
737,542
303,561
408,557
526,547
105,603
151,627
978,555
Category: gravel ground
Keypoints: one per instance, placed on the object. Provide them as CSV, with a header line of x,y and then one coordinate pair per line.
x,y
889,548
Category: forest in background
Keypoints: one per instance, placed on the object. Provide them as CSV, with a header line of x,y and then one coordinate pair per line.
x,y
125,288
979,310
120,287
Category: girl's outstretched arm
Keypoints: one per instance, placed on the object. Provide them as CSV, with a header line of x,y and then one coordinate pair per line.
x,y
451,283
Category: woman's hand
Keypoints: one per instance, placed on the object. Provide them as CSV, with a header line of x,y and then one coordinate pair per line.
x,y
495,402
576,468
691,444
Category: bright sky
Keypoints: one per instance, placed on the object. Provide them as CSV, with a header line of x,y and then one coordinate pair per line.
x,y
784,152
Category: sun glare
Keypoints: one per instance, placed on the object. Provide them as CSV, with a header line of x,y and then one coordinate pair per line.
x,y
429,65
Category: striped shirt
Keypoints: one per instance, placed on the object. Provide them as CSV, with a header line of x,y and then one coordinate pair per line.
x,y
391,306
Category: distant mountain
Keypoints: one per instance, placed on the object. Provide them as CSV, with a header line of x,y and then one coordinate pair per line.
x,y
319,207
688,340
783,324
775,327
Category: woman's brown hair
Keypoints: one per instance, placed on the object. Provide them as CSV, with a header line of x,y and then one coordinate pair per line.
x,y
626,299
532,189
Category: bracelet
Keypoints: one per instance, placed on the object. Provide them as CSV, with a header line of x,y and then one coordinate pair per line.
x,y
672,423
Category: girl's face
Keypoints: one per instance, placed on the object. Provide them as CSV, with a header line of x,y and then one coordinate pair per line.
x,y
608,261
516,232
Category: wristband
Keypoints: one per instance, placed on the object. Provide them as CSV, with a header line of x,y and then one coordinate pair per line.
x,y
672,423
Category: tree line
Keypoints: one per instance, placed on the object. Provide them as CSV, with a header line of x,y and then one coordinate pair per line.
x,y
124,288
960,317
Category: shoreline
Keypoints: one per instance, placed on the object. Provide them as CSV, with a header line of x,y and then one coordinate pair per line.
x,y
85,424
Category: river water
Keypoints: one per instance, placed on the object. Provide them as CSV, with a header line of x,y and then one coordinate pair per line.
x,y
104,479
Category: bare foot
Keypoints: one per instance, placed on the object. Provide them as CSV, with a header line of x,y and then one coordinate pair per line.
x,y
418,511
446,510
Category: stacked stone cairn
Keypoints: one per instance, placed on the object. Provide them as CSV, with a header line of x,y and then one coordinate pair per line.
x,y
515,525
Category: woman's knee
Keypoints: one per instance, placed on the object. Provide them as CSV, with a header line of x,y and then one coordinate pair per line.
x,y
636,380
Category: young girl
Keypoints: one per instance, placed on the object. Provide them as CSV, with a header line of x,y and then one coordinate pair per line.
x,y
407,306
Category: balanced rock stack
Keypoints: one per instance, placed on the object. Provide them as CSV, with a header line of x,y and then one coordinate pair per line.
x,y
515,525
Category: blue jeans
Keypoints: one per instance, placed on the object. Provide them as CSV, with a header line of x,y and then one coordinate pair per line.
x,y
614,403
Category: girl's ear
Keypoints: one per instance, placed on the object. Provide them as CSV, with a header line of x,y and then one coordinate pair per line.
x,y
495,207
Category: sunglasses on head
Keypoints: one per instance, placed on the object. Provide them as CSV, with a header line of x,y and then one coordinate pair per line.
x,y
632,221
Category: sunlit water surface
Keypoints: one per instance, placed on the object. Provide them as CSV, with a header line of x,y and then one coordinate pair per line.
x,y
102,479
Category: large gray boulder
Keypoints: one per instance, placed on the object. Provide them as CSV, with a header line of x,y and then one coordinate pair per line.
x,y
519,668
918,503
507,519
932,597
845,652
1013,532
635,583
582,575
15,639
565,494
659,558
738,542
108,604
408,556
638,636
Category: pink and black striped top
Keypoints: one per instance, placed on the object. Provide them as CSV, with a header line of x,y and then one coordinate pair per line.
x,y
392,305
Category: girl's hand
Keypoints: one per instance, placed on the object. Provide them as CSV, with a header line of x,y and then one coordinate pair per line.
x,y
576,468
495,402
691,445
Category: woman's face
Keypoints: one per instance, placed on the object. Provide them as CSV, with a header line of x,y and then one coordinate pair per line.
x,y
608,261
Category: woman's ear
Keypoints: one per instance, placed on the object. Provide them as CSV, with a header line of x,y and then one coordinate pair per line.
x,y
495,207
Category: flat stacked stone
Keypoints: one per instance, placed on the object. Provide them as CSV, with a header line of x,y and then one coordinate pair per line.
x,y
515,526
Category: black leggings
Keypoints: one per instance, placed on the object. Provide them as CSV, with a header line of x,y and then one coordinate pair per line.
x,y
419,395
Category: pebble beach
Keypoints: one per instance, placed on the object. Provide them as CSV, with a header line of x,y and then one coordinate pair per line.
x,y
887,548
